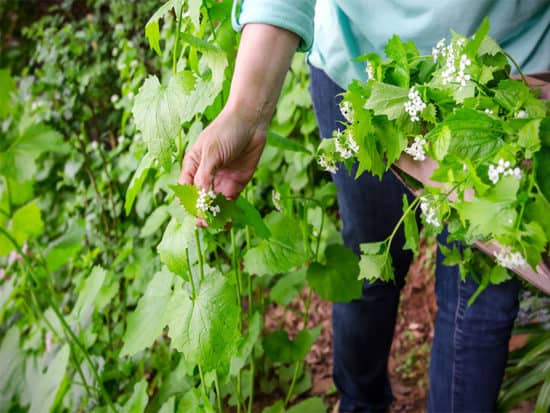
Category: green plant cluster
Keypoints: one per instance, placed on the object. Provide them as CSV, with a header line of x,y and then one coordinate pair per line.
x,y
110,298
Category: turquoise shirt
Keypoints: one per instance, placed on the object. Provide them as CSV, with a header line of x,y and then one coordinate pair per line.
x,y
346,29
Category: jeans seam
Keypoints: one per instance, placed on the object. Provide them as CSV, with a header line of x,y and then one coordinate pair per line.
x,y
455,344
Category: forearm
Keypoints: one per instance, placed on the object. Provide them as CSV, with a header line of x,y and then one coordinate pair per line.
x,y
262,62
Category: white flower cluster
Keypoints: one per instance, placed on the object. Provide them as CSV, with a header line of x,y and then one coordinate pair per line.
x,y
276,198
328,165
414,105
489,111
508,259
205,202
370,70
345,144
416,149
430,212
347,110
451,72
502,168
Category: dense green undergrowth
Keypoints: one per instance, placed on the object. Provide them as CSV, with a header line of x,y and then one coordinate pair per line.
x,y
110,298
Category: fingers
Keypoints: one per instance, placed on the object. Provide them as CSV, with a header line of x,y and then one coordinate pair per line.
x,y
209,162
189,166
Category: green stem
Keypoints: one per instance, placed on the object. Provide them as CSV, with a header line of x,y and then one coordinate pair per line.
x,y
176,42
318,244
235,264
203,385
218,394
251,384
412,206
515,63
201,258
298,363
193,289
67,329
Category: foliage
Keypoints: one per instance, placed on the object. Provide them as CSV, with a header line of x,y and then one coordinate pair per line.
x,y
488,134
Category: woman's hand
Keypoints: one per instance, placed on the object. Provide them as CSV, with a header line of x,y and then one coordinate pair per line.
x,y
227,151
226,154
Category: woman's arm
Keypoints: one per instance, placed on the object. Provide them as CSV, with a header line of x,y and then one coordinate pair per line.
x,y
228,150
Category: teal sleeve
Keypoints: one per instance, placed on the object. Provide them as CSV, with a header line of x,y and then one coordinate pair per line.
x,y
295,16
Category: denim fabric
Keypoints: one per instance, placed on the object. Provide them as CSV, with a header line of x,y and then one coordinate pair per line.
x,y
470,345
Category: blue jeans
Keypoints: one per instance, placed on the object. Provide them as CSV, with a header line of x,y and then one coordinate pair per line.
x,y
470,345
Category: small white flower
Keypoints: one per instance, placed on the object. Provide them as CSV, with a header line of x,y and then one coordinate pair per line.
x,y
94,145
414,105
130,95
502,168
134,63
370,70
430,212
328,165
114,52
14,256
522,114
439,49
120,139
489,111
114,98
416,149
347,110
345,144
508,259
205,202
276,198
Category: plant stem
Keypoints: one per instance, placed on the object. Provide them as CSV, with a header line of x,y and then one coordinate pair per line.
x,y
203,384
236,269
298,363
218,394
396,228
176,42
61,319
251,384
194,291
201,259
509,56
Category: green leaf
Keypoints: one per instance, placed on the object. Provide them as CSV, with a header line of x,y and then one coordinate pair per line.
x,y
473,45
147,321
528,137
152,27
11,366
206,328
543,171
537,211
7,87
375,262
399,74
441,142
50,383
247,214
157,111
474,135
277,407
279,141
27,223
64,248
412,236
279,253
494,214
168,406
337,281
88,293
188,196
288,287
247,344
311,405
279,348
19,160
138,400
154,221
194,402
387,100
543,399
134,188
512,95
